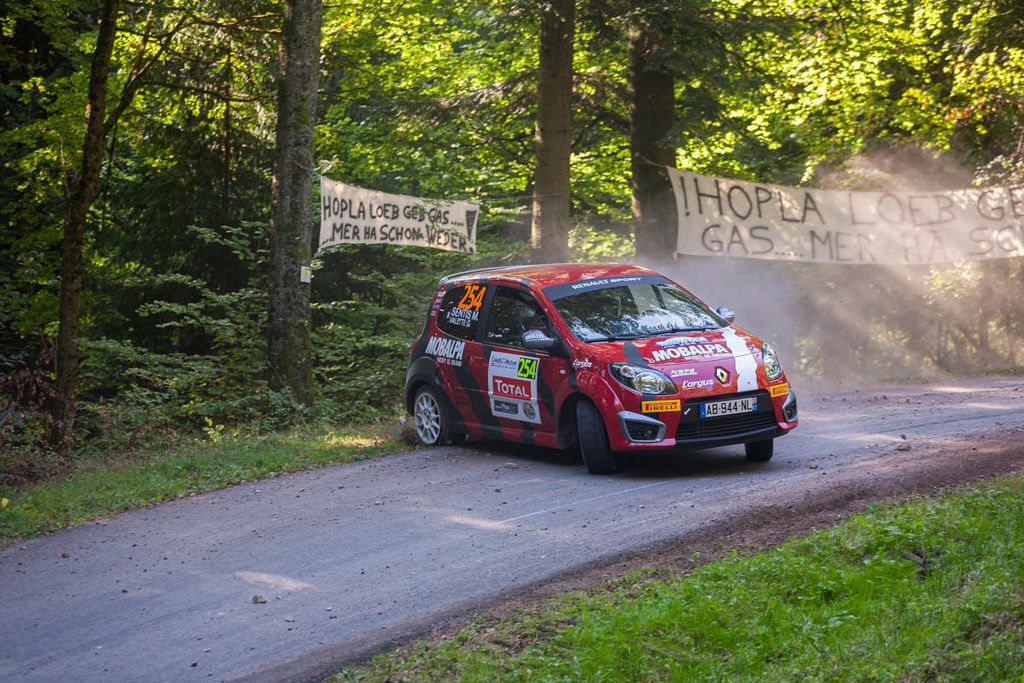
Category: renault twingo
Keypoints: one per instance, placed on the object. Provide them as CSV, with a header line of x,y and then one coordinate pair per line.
x,y
610,358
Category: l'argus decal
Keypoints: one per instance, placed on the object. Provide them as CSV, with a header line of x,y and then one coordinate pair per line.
x,y
746,366
512,386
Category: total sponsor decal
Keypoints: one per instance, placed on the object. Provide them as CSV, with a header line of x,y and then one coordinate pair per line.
x,y
446,351
779,389
662,406
702,350
512,386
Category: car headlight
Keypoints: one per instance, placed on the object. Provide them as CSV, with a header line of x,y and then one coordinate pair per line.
x,y
772,366
641,379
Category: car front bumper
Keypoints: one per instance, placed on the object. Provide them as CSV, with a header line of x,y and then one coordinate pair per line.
x,y
773,418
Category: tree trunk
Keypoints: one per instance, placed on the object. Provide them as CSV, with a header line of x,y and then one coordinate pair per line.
x,y
652,116
553,133
82,194
291,196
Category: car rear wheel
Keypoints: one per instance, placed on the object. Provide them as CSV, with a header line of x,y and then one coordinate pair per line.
x,y
431,418
760,451
593,440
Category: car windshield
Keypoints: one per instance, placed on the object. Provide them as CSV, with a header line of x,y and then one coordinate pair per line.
x,y
634,311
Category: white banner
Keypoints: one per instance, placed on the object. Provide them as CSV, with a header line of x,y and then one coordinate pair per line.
x,y
720,217
353,215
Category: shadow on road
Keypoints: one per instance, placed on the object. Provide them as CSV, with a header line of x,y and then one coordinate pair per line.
x,y
675,463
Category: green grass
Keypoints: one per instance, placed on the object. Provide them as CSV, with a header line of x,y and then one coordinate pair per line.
x,y
931,590
101,488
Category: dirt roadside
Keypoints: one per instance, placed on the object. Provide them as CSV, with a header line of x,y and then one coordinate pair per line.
x,y
948,470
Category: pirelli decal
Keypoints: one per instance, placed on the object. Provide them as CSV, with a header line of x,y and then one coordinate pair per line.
x,y
779,389
663,406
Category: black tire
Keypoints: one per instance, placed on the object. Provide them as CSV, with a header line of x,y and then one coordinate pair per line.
x,y
593,440
760,451
457,439
430,418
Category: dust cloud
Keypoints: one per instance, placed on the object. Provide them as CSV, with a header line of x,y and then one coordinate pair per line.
x,y
869,322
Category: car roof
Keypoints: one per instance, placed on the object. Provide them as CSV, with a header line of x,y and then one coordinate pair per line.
x,y
547,274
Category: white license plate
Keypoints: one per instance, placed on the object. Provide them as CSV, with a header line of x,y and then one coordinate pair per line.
x,y
733,407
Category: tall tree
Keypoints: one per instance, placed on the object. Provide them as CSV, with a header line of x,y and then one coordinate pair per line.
x,y
291,196
82,194
83,188
652,116
553,132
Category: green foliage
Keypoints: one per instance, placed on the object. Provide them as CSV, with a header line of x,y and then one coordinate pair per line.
x,y
438,99
925,591
159,391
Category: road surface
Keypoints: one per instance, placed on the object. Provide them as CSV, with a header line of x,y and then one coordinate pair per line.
x,y
353,557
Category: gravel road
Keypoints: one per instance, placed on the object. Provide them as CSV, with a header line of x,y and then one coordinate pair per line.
x,y
354,557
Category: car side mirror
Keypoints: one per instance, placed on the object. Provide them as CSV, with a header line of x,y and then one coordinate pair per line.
x,y
537,340
727,314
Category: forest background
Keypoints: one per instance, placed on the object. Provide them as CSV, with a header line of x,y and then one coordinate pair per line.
x,y
440,99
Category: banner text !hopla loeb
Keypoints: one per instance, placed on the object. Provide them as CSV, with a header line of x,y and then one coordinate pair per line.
x,y
353,215
721,217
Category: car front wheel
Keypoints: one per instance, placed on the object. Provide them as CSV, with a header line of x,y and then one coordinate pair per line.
x,y
760,451
593,440
432,425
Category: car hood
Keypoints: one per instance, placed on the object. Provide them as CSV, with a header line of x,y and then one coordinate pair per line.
x,y
680,347
726,359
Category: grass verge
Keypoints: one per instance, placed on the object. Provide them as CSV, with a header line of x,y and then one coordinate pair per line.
x,y
106,487
929,590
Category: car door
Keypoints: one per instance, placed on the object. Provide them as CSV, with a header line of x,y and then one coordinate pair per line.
x,y
521,383
457,352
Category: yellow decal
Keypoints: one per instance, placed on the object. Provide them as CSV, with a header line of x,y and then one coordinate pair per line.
x,y
527,368
473,298
780,389
666,406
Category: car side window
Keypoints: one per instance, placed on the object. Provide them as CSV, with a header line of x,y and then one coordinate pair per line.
x,y
513,312
459,314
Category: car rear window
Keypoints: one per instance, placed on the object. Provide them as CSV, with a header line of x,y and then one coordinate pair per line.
x,y
459,314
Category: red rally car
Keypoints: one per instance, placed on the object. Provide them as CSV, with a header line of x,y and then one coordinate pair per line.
x,y
612,358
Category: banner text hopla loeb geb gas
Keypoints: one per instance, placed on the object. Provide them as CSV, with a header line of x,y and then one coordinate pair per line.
x,y
721,217
354,215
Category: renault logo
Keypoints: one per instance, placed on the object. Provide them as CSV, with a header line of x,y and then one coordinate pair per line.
x,y
722,375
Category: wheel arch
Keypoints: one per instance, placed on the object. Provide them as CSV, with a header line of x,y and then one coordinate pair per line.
x,y
590,386
423,373
566,427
